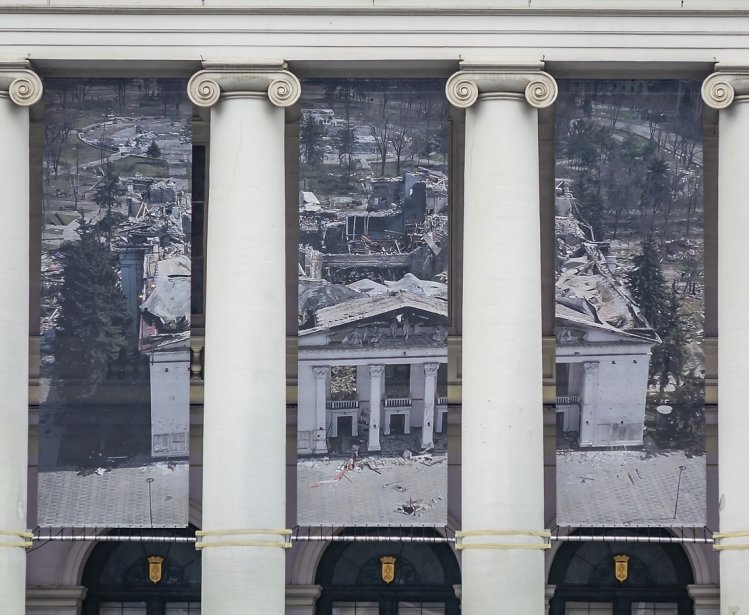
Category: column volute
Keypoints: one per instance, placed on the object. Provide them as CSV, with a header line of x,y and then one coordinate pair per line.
x,y
18,82
221,80
483,80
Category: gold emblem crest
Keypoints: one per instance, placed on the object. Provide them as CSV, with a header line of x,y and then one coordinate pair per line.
x,y
388,568
155,563
621,567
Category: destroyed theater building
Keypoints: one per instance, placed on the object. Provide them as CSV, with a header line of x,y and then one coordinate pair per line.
x,y
603,341
389,340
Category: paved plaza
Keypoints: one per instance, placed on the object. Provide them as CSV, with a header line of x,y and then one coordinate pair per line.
x,y
115,498
637,488
378,491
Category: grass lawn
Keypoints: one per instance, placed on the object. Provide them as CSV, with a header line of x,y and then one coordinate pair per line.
x,y
150,167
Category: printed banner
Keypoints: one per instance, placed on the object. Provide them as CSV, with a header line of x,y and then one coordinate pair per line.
x,y
373,258
115,319
629,304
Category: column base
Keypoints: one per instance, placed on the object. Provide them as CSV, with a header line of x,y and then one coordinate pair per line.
x,y
706,599
56,600
301,599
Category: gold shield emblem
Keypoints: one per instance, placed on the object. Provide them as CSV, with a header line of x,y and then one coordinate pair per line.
x,y
155,563
388,568
621,567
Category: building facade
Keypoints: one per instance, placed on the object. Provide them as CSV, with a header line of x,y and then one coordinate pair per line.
x,y
500,60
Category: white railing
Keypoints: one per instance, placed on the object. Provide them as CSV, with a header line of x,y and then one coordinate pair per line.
x,y
398,402
344,404
442,401
568,400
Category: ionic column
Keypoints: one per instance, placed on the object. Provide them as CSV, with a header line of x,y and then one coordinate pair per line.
x,y
375,406
244,437
728,91
588,405
502,459
19,88
320,444
430,390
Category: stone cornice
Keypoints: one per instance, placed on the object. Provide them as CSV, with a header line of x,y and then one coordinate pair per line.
x,y
19,82
635,8
727,83
225,79
486,80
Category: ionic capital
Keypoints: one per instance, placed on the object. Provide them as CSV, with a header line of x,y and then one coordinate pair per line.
x,y
226,80
321,372
725,85
482,80
376,371
431,369
18,82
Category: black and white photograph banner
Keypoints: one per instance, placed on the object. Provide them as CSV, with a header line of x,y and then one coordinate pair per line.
x,y
373,259
115,316
629,304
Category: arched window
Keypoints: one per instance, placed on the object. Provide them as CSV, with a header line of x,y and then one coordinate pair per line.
x,y
388,578
652,578
143,578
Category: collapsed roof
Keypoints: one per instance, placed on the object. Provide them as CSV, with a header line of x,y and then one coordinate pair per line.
x,y
367,308
588,293
169,301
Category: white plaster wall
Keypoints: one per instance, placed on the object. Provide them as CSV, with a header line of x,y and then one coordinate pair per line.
x,y
622,388
170,396
306,397
621,391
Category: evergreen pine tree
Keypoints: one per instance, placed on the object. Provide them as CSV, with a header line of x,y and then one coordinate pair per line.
x,y
94,315
153,150
107,191
647,285
310,137
669,356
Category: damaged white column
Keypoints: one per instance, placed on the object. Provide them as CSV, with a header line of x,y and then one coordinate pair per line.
x,y
728,90
502,437
588,402
430,390
244,434
320,445
376,372
19,88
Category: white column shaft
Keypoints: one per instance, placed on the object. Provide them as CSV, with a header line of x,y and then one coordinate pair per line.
x,y
733,290
321,381
14,360
590,389
244,441
375,406
14,341
502,373
430,390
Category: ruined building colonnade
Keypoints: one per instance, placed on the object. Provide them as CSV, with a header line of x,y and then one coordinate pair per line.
x,y
19,88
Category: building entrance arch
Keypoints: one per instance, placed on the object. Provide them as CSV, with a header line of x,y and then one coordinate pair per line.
x,y
388,578
143,578
652,577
